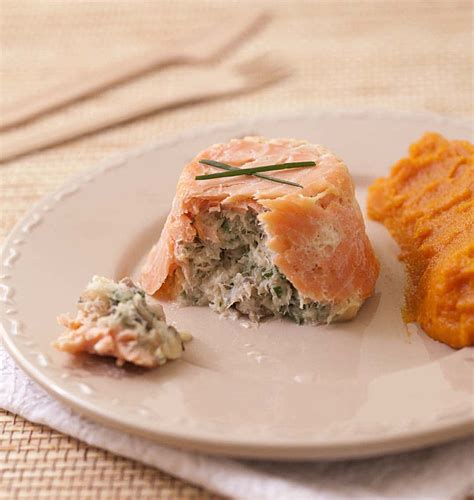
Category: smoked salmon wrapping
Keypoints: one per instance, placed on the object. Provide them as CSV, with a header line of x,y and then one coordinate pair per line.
x,y
427,204
263,248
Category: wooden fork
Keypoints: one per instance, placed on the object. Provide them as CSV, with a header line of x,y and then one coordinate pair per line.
x,y
208,48
207,83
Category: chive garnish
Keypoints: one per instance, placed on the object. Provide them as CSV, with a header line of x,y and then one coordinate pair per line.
x,y
225,166
256,170
234,171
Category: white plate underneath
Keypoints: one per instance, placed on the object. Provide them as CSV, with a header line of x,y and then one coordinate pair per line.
x,y
279,391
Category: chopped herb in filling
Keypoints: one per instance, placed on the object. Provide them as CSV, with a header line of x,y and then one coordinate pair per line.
x,y
120,320
236,272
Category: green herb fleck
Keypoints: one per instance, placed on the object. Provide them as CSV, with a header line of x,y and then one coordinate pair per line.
x,y
278,291
225,226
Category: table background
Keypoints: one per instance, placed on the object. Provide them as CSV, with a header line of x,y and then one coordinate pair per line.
x,y
408,54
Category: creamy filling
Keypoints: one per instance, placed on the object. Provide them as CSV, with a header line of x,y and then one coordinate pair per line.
x,y
234,271
120,320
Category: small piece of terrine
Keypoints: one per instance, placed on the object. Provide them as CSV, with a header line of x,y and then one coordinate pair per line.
x,y
263,248
120,320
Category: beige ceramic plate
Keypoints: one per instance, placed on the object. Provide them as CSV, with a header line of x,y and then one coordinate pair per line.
x,y
279,391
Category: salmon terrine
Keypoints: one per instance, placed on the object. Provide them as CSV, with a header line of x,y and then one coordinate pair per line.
x,y
264,248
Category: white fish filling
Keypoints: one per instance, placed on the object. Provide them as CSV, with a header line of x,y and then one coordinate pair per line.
x,y
237,273
119,319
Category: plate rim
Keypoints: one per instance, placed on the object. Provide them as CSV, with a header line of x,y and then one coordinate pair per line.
x,y
335,450
348,449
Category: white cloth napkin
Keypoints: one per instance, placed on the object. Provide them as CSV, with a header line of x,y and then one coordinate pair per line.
x,y
444,472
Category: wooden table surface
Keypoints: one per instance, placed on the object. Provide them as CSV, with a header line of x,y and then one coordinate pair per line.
x,y
408,55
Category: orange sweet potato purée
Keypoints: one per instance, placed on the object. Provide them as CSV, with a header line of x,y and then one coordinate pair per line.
x,y
427,204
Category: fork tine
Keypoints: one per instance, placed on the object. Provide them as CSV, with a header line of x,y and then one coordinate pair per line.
x,y
263,69
225,39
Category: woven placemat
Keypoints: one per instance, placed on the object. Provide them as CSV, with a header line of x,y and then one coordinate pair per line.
x,y
409,55
37,462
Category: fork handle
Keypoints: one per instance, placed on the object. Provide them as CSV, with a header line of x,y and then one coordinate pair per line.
x,y
86,85
114,117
